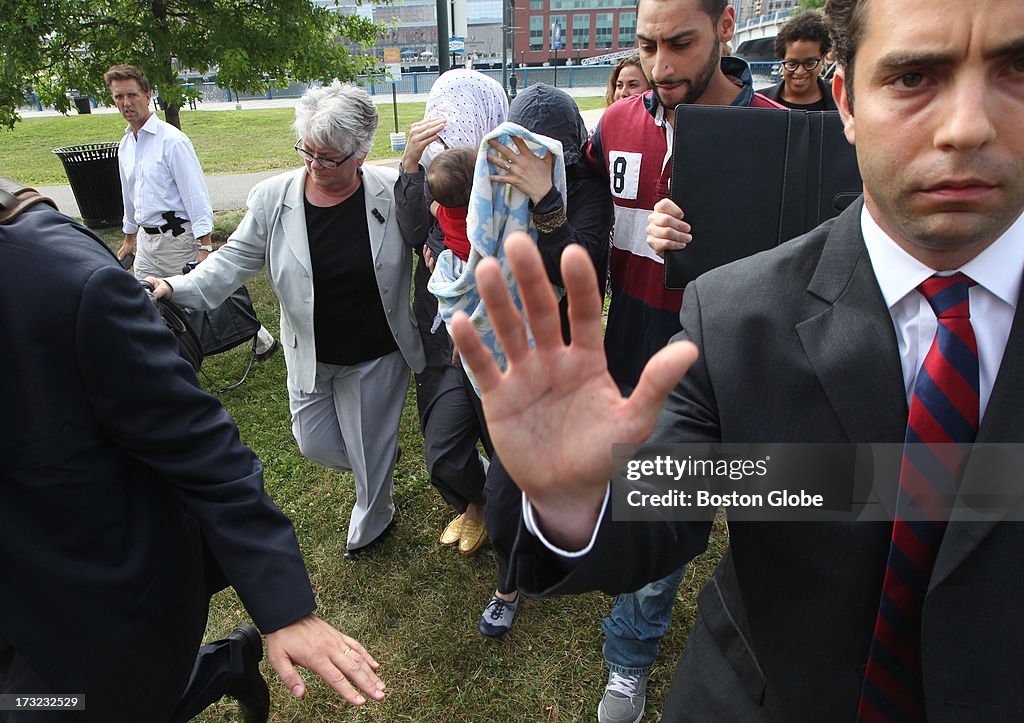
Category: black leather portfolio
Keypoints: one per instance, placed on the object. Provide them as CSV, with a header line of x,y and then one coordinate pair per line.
x,y
749,179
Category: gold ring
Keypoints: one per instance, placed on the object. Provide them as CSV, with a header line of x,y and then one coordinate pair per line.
x,y
508,164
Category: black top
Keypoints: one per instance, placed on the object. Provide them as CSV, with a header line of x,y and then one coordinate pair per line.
x,y
588,223
816,105
349,323
588,206
826,103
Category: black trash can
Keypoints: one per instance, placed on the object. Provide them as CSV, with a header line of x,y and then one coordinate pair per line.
x,y
95,181
83,105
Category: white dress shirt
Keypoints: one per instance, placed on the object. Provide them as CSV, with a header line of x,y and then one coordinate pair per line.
x,y
160,172
993,302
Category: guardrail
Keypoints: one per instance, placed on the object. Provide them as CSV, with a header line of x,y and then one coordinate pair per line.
x,y
565,76
769,19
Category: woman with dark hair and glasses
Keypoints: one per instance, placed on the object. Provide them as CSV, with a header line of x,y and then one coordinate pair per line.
x,y
329,238
802,44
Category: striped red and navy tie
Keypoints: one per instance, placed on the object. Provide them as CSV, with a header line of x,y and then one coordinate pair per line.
x,y
943,416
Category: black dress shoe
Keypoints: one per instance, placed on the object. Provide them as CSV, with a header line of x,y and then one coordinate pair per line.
x,y
250,690
354,553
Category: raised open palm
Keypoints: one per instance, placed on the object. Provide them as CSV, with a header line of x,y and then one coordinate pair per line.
x,y
555,412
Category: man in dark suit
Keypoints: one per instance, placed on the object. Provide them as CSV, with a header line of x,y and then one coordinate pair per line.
x,y
820,340
125,496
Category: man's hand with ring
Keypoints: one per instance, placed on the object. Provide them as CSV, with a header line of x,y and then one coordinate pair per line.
x,y
338,659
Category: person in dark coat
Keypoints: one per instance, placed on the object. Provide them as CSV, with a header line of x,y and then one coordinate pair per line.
x,y
126,500
836,337
583,218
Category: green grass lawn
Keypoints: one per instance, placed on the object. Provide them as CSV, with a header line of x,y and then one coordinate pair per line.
x,y
226,141
414,604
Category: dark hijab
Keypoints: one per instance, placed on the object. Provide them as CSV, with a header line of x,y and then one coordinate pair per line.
x,y
552,112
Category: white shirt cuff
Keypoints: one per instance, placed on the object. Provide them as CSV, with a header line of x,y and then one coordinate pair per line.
x,y
534,529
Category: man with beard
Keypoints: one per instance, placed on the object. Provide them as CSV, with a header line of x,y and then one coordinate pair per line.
x,y
680,45
680,51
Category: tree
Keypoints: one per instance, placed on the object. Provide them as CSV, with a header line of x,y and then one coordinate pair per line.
x,y
811,5
52,46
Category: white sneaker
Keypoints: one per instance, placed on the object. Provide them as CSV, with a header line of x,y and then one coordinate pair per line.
x,y
623,700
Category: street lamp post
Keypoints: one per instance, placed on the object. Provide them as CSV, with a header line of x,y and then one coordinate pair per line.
x,y
556,43
442,36
506,37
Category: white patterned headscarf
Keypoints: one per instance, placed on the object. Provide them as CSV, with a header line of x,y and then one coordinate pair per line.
x,y
474,104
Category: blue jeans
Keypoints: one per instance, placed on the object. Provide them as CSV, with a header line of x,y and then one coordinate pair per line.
x,y
638,621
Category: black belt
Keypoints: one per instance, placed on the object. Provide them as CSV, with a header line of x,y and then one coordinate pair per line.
x,y
174,224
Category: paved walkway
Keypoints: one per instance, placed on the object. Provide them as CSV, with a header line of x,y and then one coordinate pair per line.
x,y
229,192
379,99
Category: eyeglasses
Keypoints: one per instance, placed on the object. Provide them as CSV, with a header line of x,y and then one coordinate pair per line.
x,y
324,162
809,64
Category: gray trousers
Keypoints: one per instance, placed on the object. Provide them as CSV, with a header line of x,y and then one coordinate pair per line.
x,y
349,422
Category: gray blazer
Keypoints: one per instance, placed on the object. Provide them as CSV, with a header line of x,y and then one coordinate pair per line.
x,y
273,233
797,346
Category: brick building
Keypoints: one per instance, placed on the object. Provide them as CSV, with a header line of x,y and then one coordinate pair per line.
x,y
588,27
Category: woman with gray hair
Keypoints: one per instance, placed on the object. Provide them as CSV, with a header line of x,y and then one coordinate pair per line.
x,y
328,236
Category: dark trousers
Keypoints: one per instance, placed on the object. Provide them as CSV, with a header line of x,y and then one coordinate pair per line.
x,y
217,667
452,421
453,425
436,347
451,417
502,516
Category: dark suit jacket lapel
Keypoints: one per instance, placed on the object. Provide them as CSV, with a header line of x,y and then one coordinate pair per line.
x,y
1003,423
851,344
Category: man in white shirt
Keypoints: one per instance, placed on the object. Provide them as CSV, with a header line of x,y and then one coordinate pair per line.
x,y
830,338
168,217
